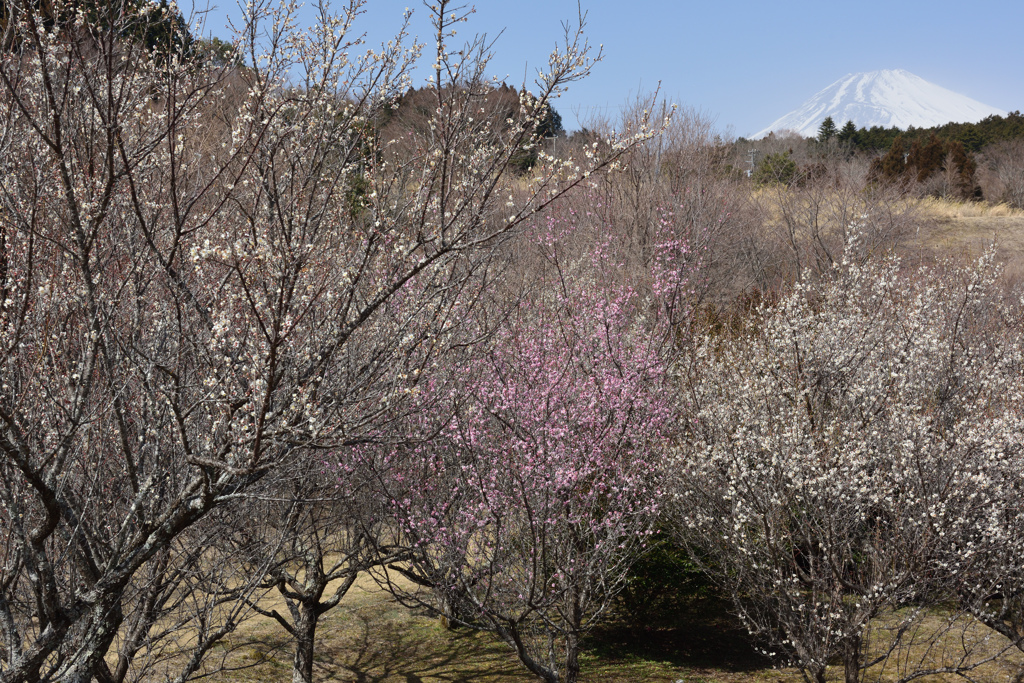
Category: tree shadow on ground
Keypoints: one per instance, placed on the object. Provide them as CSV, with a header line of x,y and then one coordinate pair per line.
x,y
703,633
415,650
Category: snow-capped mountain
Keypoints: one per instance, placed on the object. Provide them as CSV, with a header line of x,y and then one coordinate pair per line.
x,y
882,98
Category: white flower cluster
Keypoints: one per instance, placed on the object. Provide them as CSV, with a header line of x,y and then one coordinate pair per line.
x,y
858,449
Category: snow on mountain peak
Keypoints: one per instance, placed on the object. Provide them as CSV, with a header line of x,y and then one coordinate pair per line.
x,y
882,98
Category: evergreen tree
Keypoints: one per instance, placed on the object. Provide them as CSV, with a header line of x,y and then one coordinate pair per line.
x,y
848,133
775,169
218,52
892,165
827,130
926,158
158,25
551,125
966,187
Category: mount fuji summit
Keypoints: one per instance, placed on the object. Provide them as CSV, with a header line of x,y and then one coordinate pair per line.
x,y
882,98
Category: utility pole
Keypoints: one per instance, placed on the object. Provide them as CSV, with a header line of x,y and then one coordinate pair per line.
x,y
753,156
554,144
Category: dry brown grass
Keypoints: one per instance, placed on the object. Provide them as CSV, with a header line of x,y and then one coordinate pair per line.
x,y
966,230
370,637
962,641
952,209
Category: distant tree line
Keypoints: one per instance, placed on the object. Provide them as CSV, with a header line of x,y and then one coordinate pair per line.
x,y
944,163
963,161
973,136
413,111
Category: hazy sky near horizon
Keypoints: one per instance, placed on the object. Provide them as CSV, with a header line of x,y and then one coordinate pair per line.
x,y
743,63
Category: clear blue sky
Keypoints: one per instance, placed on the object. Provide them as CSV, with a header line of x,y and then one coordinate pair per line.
x,y
742,62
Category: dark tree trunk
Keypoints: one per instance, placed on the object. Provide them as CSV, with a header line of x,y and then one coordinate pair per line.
x,y
305,641
852,659
572,658
572,643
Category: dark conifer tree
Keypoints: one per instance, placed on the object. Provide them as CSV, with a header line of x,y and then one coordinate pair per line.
x,y
158,25
827,130
848,133
926,158
892,165
965,165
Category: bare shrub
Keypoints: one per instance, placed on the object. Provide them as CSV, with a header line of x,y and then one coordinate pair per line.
x,y
810,221
1002,172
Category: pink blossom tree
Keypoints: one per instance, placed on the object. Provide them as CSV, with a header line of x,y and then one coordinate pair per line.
x,y
525,510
